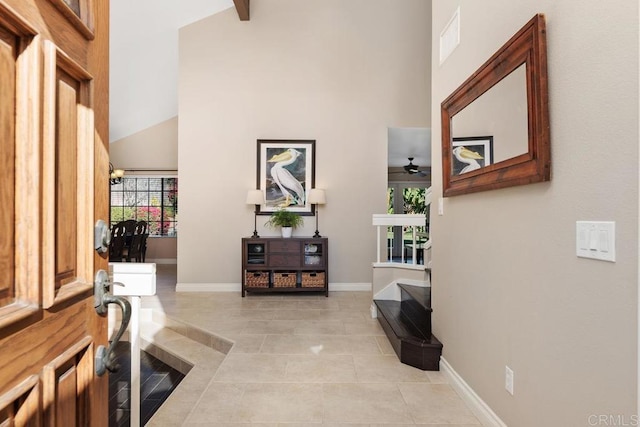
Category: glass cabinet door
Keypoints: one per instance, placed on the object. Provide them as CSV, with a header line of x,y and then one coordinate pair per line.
x,y
313,254
256,253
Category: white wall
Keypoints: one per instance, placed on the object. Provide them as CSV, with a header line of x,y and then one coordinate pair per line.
x,y
340,72
508,288
143,56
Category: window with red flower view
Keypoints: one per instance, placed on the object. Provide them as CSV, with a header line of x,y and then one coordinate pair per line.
x,y
154,200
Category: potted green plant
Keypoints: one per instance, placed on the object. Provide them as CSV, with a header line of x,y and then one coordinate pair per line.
x,y
285,219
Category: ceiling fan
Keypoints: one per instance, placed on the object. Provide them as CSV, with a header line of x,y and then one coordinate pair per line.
x,y
412,169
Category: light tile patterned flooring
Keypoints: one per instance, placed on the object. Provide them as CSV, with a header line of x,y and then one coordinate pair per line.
x,y
305,359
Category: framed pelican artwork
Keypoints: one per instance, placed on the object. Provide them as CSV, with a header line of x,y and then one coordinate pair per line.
x,y
286,174
471,153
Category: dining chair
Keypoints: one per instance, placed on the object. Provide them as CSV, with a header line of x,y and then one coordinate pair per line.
x,y
118,242
130,226
134,251
143,244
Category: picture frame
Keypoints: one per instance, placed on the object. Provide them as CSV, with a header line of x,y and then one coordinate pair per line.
x,y
527,48
480,145
286,174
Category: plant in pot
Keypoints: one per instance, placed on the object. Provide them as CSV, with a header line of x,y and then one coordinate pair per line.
x,y
285,219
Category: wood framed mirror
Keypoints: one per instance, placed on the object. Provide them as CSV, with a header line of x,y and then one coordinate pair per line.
x,y
504,104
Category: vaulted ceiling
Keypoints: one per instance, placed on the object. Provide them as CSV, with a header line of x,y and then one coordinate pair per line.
x,y
144,70
144,58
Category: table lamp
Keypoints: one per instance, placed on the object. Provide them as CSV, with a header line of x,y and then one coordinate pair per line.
x,y
255,197
317,197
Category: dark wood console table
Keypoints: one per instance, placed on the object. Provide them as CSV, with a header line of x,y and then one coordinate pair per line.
x,y
275,264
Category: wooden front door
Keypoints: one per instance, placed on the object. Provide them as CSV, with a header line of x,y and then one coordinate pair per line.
x,y
53,187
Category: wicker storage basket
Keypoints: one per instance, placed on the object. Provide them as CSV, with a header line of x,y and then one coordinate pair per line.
x,y
284,280
256,279
313,279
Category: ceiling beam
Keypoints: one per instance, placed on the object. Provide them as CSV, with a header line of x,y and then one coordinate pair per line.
x,y
242,7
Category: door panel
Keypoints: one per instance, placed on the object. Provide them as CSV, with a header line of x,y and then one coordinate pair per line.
x,y
68,171
54,133
65,404
19,51
67,383
20,406
65,179
79,13
8,52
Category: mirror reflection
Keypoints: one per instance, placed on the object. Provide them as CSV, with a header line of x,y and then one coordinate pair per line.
x,y
494,127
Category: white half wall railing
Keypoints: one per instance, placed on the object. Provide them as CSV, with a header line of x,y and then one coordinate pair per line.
x,y
401,220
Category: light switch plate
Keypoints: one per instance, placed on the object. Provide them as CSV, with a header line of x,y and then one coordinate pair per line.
x,y
508,379
596,240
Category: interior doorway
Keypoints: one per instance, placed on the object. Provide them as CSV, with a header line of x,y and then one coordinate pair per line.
x,y
408,177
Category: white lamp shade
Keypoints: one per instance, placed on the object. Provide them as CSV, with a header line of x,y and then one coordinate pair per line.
x,y
317,197
255,197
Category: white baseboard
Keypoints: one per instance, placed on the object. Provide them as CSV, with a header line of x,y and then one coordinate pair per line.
x,y
163,260
208,287
355,287
237,287
479,407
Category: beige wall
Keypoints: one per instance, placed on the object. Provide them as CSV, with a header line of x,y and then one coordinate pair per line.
x,y
340,72
162,250
155,148
508,287
382,276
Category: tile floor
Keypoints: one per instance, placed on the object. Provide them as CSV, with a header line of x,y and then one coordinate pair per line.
x,y
305,359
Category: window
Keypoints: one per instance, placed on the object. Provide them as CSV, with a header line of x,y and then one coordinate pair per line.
x,y
405,198
154,200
